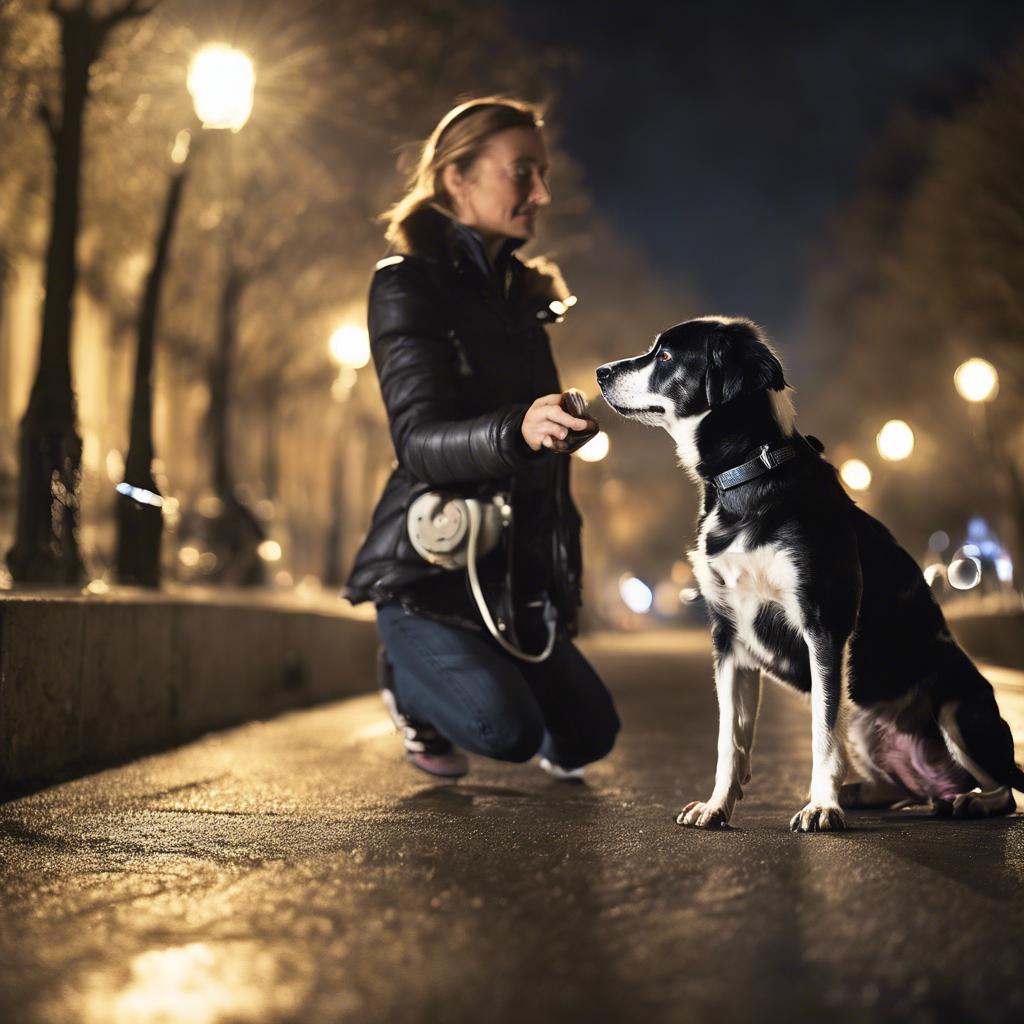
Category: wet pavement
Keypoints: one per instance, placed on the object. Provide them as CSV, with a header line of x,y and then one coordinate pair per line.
x,y
298,870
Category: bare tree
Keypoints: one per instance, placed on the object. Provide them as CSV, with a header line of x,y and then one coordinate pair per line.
x,y
925,270
50,450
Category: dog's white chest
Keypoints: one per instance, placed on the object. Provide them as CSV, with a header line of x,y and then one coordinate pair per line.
x,y
739,581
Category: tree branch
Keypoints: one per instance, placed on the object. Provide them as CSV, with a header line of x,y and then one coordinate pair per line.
x,y
131,10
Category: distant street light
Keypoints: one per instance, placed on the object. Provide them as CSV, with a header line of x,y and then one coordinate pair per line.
x,y
349,347
895,441
596,448
856,474
636,595
976,380
221,82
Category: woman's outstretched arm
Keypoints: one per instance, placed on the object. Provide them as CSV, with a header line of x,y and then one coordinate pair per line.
x,y
413,356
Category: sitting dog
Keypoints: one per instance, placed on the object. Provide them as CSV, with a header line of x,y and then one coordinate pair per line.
x,y
803,585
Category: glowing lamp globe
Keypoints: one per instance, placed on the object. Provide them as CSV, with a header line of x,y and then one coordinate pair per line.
x,y
222,82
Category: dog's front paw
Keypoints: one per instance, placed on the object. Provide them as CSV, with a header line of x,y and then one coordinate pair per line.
x,y
698,814
818,818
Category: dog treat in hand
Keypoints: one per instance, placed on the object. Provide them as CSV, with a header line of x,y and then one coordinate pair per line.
x,y
574,402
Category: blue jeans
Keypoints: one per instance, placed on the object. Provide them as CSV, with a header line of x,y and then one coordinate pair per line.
x,y
490,703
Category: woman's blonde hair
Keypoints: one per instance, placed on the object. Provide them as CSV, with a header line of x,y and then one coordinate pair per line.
x,y
459,138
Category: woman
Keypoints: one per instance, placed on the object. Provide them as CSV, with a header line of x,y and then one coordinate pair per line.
x,y
473,399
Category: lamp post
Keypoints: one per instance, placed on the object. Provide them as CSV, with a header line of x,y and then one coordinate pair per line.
x,y
221,82
349,349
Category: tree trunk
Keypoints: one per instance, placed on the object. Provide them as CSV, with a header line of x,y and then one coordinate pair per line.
x,y
220,382
271,457
49,447
334,554
238,531
140,522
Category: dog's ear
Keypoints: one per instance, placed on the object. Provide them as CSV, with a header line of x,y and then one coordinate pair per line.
x,y
739,363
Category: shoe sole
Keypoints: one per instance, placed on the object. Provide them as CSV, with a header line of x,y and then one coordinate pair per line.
x,y
443,767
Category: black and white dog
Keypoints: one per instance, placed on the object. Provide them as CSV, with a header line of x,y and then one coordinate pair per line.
x,y
803,585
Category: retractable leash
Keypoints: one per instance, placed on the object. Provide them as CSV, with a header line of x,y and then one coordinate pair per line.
x,y
452,532
550,615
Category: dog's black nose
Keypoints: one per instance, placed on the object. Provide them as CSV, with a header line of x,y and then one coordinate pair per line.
x,y
603,373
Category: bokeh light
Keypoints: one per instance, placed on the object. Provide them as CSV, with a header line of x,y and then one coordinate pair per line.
x,y
964,573
856,474
895,441
350,346
596,448
635,594
976,380
269,551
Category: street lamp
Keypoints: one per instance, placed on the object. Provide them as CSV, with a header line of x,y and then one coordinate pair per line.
x,y
976,380
221,82
895,441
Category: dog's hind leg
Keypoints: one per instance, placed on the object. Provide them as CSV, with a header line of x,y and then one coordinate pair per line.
x,y
980,742
739,695
879,789
873,793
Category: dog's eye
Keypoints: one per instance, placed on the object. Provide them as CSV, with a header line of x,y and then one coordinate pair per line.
x,y
664,357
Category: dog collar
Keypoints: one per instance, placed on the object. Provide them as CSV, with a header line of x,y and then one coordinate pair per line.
x,y
765,461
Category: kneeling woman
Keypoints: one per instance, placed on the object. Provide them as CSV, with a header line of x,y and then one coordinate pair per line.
x,y
473,400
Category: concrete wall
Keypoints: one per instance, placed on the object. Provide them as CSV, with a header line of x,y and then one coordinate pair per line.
x,y
90,680
995,638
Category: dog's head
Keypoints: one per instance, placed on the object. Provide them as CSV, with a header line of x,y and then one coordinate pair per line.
x,y
691,369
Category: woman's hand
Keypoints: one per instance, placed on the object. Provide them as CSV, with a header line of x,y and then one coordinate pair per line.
x,y
547,425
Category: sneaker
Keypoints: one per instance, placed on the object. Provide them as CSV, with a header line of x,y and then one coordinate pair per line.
x,y
425,747
556,771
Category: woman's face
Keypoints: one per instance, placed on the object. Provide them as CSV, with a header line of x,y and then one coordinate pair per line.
x,y
502,191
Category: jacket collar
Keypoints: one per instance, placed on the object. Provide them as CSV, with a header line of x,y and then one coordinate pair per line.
x,y
433,233
472,244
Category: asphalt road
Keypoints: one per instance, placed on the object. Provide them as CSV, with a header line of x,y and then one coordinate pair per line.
x,y
298,870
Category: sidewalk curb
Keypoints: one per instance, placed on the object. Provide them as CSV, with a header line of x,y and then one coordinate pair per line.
x,y
88,682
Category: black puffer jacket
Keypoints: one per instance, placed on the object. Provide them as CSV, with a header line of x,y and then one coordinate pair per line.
x,y
461,354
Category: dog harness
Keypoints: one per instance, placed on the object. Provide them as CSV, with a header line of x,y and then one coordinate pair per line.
x,y
765,461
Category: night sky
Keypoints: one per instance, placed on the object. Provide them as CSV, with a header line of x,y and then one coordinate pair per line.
x,y
720,137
